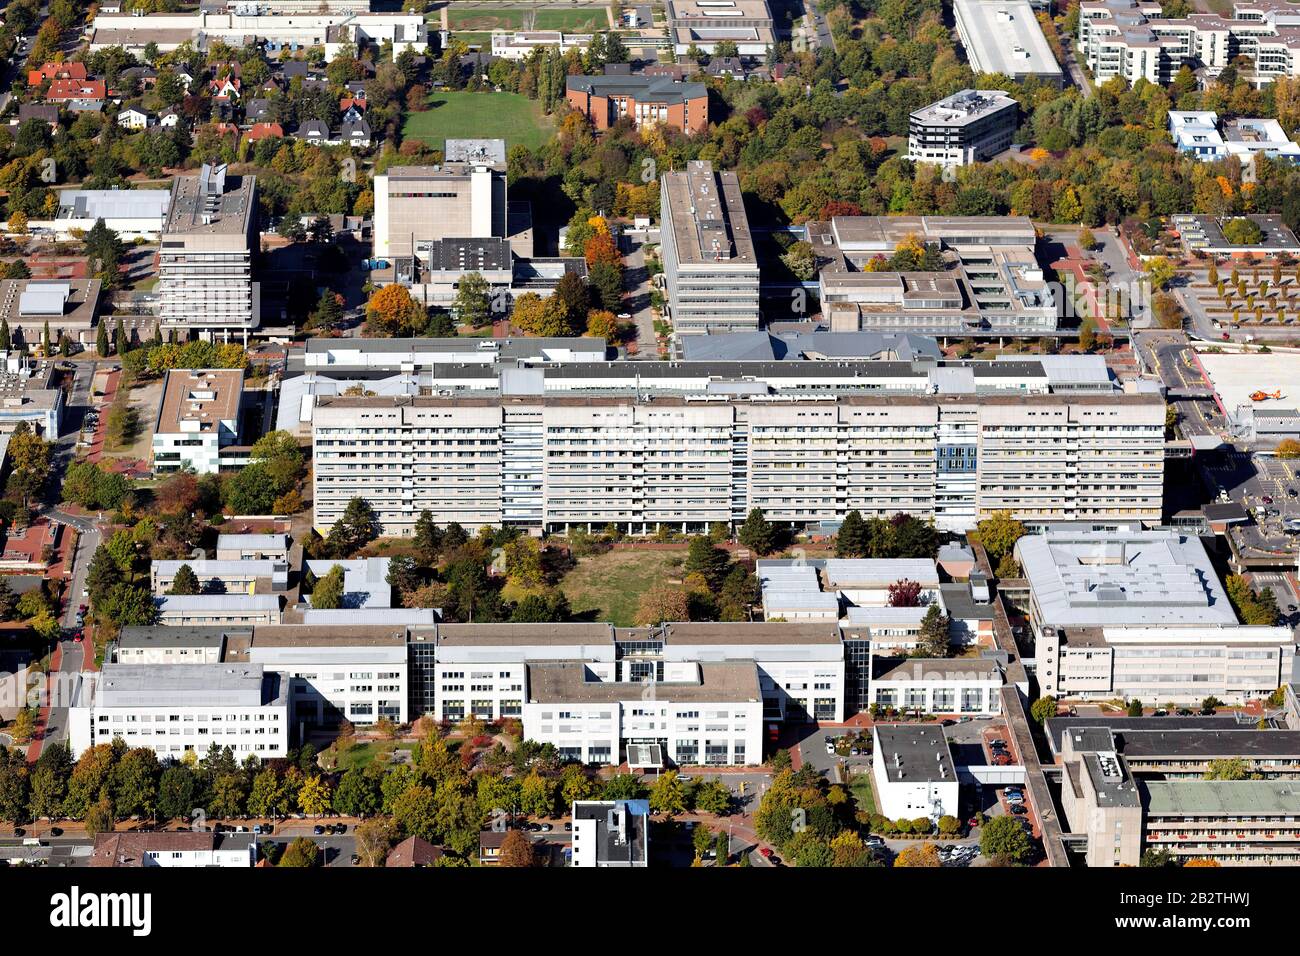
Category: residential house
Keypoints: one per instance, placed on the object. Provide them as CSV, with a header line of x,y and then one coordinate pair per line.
x,y
78,95
57,71
132,118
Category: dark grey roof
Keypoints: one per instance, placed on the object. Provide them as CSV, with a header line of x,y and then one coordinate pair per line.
x,y
1056,726
661,89
1208,744
469,255
164,636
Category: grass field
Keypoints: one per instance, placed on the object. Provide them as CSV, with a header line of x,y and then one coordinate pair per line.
x,y
572,21
862,794
508,116
611,584
486,18
362,755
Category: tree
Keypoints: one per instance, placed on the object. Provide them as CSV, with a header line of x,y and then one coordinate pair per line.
x,y
29,461
924,855
391,311
357,527
101,339
660,604
328,593
934,637
1288,448
1043,708
851,542
374,839
668,794
403,576
706,559
905,593
185,582
712,796
1134,708
517,851
1160,271
998,533
1004,840
472,305
757,533
99,818
302,852
1228,768
427,539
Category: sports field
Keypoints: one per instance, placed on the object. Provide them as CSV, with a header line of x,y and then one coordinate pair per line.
x,y
493,17
508,116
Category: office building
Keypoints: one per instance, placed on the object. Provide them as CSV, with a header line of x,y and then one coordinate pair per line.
x,y
223,577
131,213
68,306
175,645
710,266
987,279
218,610
197,418
28,393
1203,235
353,673
913,773
174,709
967,687
518,44
1120,812
365,581
1132,39
965,128
611,833
703,24
1100,798
253,547
332,30
1004,37
541,461
646,100
1201,134
205,271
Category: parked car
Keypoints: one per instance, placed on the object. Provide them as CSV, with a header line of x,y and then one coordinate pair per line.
x,y
766,851
1267,499
1019,808
354,859
318,830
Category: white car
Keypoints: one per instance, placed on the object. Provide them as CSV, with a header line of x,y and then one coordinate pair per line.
x,y
830,748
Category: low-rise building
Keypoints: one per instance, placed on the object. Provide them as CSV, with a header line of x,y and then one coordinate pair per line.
x,y
223,577
253,547
365,581
646,100
68,306
703,24
913,773
176,645
177,708
1201,134
176,848
1205,235
1004,37
218,610
969,687
131,213
611,833
518,44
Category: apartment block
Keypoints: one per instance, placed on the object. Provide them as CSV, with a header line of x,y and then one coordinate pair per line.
x,y
646,100
205,273
175,709
197,417
547,461
1203,135
1133,40
710,265
965,128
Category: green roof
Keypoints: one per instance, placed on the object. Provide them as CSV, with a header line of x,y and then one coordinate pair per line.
x,y
1221,797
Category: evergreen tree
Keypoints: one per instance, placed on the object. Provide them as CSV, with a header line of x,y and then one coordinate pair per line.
x,y
119,337
46,345
851,542
428,539
101,339
6,341
934,636
757,533
185,582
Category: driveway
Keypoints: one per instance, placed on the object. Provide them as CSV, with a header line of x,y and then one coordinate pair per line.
x,y
636,283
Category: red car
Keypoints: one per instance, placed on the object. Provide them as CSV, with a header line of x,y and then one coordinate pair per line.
x,y
77,639
766,851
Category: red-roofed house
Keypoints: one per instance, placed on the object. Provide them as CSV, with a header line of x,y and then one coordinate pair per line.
x,y
77,94
260,131
56,71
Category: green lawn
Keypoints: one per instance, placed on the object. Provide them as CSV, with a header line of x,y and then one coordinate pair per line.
x,y
573,21
486,18
362,755
861,787
611,584
508,116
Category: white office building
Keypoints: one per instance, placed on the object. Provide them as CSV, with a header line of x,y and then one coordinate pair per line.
x,y
611,833
913,773
177,708
965,128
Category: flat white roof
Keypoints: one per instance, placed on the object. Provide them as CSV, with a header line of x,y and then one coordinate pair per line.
x,y
1235,375
1003,36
